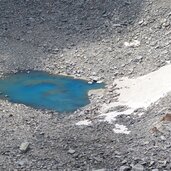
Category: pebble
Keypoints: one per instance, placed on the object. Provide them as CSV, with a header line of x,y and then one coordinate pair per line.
x,y
152,163
94,78
124,168
21,162
163,138
124,161
138,167
138,59
71,151
24,146
82,49
146,142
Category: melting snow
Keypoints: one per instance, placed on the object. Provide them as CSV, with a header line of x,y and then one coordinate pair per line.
x,y
121,129
83,122
134,43
111,116
136,93
139,92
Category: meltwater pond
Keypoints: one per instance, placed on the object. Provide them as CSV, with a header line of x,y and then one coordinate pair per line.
x,y
42,90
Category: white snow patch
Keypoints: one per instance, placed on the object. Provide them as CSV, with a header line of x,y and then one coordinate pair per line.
x,y
83,122
134,43
139,92
111,116
121,129
168,62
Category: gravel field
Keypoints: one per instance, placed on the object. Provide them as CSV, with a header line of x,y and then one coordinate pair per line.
x,y
94,40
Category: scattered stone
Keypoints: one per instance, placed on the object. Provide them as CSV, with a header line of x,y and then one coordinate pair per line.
x,y
154,130
98,159
138,59
95,78
140,22
61,32
124,161
22,162
146,142
124,168
71,151
152,163
24,147
138,167
163,163
163,138
167,117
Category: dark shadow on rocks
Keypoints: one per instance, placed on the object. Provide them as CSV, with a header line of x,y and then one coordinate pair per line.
x,y
65,23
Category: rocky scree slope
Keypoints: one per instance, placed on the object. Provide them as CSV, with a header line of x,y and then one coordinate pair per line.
x,y
85,39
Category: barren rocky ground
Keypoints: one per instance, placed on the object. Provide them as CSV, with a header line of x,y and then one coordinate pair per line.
x,y
91,40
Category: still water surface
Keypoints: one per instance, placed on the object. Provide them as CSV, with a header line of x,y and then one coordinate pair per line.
x,y
42,90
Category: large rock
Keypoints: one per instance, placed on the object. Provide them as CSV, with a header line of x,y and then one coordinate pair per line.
x,y
138,167
24,146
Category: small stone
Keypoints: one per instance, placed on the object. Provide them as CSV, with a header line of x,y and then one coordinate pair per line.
x,y
137,167
124,161
95,79
24,146
140,22
138,59
98,159
166,117
163,163
71,151
94,73
163,138
166,24
124,168
22,162
152,163
146,142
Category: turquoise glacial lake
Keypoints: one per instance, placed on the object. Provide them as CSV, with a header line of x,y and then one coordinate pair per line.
x,y
42,90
